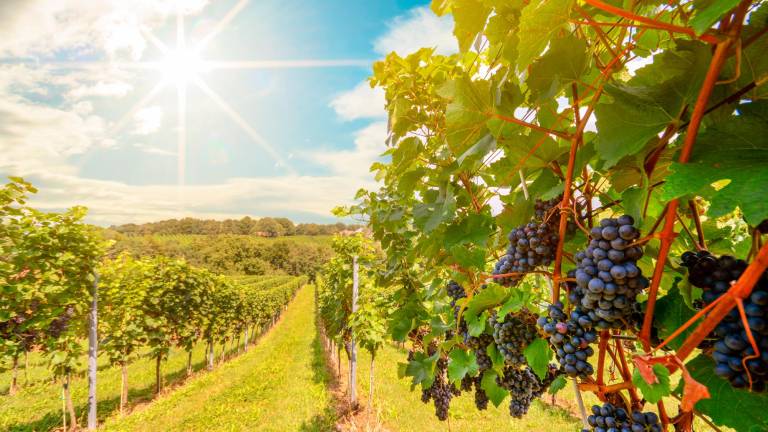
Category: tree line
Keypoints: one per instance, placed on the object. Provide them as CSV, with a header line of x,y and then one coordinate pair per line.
x,y
231,254
264,227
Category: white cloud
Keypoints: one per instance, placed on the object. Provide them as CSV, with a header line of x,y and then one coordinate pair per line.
x,y
405,34
43,27
148,120
417,29
116,89
38,138
360,102
112,202
153,150
369,144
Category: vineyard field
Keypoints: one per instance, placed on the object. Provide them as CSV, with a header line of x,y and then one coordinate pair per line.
x,y
278,385
38,407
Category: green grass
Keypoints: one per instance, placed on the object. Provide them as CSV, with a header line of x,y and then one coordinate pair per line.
x,y
400,409
279,385
38,407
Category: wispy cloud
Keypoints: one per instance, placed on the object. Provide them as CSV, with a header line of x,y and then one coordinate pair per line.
x,y
148,120
416,29
360,102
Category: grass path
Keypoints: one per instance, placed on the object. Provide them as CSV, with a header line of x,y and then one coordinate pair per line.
x,y
279,385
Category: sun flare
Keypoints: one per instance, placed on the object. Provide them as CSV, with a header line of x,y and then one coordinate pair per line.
x,y
181,67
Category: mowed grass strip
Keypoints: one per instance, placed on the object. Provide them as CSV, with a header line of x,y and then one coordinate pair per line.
x,y
400,409
279,385
38,406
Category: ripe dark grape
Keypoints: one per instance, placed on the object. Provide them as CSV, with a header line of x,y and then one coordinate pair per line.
x,y
732,349
523,386
513,335
440,392
570,337
455,292
607,277
609,417
532,245
481,398
60,324
466,383
645,422
479,344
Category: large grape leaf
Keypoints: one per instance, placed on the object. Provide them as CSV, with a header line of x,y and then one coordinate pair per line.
x,y
469,19
539,21
641,108
672,312
708,12
538,354
653,392
735,150
436,208
563,63
495,393
466,114
462,363
739,409
753,64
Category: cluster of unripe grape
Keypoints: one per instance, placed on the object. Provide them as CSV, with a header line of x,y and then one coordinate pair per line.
x,y
610,418
608,279
734,355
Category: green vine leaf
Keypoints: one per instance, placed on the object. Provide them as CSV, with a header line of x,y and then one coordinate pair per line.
x,y
653,392
538,355
739,409
709,12
558,384
495,393
734,152
462,363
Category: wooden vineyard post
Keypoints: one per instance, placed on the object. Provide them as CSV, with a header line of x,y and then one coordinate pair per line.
x,y
93,346
352,348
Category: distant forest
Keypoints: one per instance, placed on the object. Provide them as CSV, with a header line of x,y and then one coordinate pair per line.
x,y
264,227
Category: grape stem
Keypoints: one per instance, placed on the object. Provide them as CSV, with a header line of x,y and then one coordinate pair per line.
x,y
652,23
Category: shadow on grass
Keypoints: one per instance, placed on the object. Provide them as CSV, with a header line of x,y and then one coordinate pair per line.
x,y
321,373
106,407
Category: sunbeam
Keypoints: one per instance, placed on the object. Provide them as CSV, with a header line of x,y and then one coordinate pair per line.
x,y
238,119
137,106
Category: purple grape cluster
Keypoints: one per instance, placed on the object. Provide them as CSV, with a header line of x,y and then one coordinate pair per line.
x,y
530,246
513,335
481,397
734,355
60,324
570,338
607,277
479,344
609,417
441,391
455,292
524,387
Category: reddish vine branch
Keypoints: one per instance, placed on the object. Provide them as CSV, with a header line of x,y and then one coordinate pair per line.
x,y
652,23
668,234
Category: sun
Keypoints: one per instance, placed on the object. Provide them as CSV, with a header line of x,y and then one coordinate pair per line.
x,y
181,66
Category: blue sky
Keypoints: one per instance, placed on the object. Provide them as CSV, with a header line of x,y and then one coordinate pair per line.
x,y
291,141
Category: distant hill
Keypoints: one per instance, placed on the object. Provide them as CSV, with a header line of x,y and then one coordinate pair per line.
x,y
264,227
